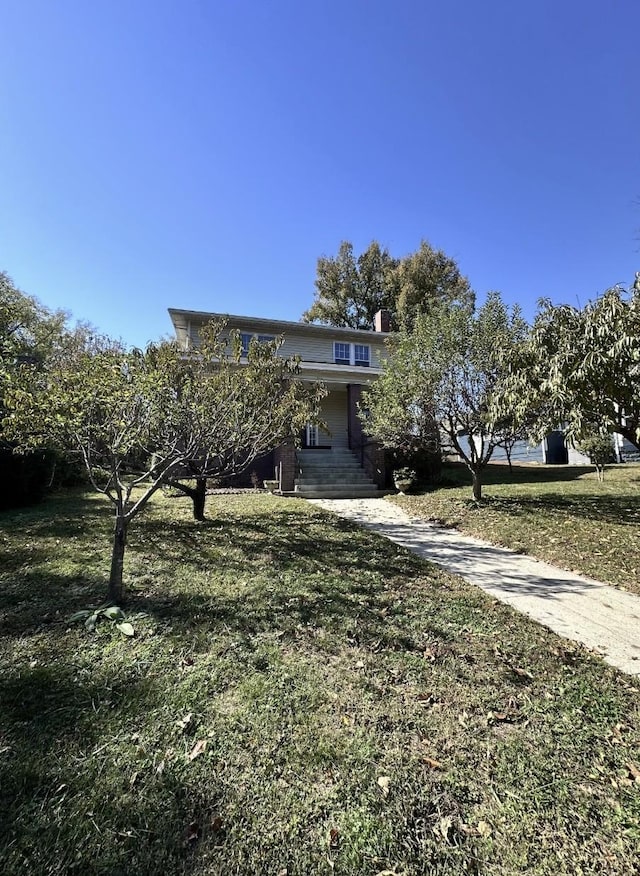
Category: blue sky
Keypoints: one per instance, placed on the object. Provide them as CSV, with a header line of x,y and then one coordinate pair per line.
x,y
200,154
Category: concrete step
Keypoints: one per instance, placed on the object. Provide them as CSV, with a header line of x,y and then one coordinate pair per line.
x,y
332,478
328,457
337,471
321,487
326,463
338,493
332,474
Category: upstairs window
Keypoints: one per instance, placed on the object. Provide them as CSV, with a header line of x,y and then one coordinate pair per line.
x,y
245,340
362,355
342,353
246,337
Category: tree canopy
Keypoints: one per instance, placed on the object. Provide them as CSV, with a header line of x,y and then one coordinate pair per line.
x,y
235,413
27,327
350,290
579,369
438,380
141,419
117,410
29,333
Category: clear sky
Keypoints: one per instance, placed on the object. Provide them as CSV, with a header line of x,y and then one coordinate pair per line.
x,y
203,153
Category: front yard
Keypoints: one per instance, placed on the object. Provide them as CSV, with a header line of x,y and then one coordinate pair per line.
x,y
560,514
300,697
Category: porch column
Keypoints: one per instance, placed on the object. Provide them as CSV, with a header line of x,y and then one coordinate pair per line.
x,y
371,453
285,462
354,423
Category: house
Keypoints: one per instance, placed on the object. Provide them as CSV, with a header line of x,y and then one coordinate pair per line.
x,y
338,460
555,450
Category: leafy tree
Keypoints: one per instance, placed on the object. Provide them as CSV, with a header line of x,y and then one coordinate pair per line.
x,y
141,419
350,290
424,279
598,447
236,413
578,367
438,380
27,328
117,410
29,333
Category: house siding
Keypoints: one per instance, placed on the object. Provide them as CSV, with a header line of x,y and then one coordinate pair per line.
x,y
334,414
309,349
522,452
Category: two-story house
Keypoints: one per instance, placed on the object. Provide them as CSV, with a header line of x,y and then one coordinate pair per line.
x,y
338,460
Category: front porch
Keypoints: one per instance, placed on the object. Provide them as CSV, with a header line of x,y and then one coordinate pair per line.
x,y
335,459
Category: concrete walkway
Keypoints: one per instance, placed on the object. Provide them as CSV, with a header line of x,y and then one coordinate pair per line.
x,y
578,608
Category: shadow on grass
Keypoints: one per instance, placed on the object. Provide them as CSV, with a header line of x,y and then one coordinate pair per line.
x,y
62,515
618,510
59,774
66,733
348,582
456,474
33,601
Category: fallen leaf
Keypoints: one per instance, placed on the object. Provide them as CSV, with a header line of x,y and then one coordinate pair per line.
x,y
334,839
443,827
634,771
383,783
484,829
216,824
126,629
113,612
434,764
197,749
522,673
497,716
183,723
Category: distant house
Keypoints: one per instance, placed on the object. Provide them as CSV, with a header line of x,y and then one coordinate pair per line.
x,y
338,460
555,450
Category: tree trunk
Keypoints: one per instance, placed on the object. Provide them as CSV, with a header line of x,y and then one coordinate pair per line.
x,y
198,497
115,592
508,452
197,494
477,485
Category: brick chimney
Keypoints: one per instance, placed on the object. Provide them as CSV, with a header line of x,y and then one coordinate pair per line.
x,y
382,321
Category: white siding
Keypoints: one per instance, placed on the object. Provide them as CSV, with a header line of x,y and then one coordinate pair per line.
x,y
574,457
334,413
522,452
310,348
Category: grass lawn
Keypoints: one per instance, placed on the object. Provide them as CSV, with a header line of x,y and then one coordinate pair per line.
x,y
560,514
300,697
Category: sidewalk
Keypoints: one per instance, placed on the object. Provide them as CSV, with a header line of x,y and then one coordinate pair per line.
x,y
577,608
